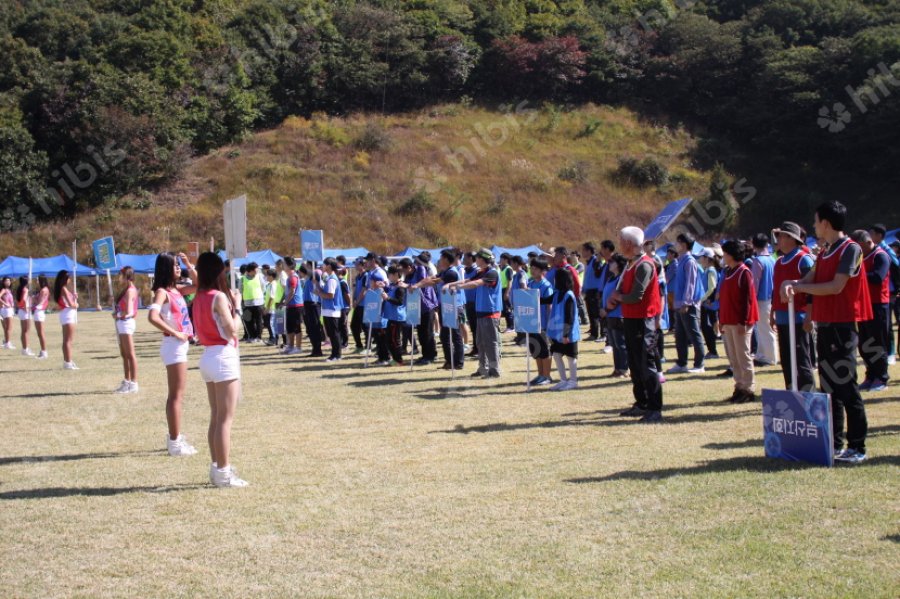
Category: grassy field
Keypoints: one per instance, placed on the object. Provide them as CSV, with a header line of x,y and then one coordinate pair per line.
x,y
384,483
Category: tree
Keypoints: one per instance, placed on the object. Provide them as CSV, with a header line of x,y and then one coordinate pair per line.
x,y
719,207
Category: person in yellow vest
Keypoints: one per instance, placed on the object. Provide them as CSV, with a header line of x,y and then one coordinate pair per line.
x,y
254,298
273,294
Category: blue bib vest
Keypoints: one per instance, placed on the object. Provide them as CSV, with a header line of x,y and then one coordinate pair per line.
x,y
557,323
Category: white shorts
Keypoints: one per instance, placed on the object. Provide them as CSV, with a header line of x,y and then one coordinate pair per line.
x,y
220,363
24,314
7,312
173,351
68,316
125,327
39,315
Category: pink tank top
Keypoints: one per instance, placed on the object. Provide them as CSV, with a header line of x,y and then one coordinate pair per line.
x,y
123,306
208,330
43,299
6,298
179,318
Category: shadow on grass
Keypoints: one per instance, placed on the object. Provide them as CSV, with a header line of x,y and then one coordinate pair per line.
x,y
41,395
759,464
735,444
51,492
501,427
878,431
892,538
26,459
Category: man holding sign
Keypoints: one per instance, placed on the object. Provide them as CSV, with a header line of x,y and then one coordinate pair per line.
x,y
488,306
450,336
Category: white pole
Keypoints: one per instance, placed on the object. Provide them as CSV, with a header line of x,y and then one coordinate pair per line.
x,y
97,280
30,267
368,346
109,282
527,362
412,356
452,365
75,268
792,327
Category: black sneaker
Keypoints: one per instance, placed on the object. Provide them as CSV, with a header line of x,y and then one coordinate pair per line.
x,y
651,417
726,374
477,374
423,362
493,374
634,410
745,397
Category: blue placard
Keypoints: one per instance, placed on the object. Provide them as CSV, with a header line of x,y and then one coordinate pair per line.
x,y
105,253
278,320
527,314
414,307
372,306
312,245
665,218
797,426
448,309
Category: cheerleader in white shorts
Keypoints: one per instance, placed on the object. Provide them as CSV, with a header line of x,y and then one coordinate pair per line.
x,y
217,322
7,311
124,314
169,314
23,305
40,302
68,315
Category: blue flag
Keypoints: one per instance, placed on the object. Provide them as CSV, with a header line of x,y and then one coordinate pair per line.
x,y
665,218
414,307
372,306
448,309
312,245
105,253
527,315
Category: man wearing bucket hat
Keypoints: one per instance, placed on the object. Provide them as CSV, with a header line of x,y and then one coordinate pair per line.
x,y
793,265
488,306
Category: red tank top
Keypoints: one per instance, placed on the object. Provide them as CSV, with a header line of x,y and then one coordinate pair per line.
x,y
879,293
736,294
788,271
25,302
852,304
651,303
205,324
123,306
64,296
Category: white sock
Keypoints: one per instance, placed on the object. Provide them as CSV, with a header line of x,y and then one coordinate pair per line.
x,y
559,367
573,369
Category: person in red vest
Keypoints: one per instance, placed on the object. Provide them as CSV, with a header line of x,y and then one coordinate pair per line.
x,y
875,334
792,265
639,295
738,313
838,282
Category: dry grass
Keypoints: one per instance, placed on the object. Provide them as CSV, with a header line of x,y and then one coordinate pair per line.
x,y
503,187
381,483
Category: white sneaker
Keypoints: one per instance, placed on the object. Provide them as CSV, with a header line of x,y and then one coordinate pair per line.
x,y
70,366
179,447
212,468
560,386
293,351
9,345
227,477
570,384
467,348
677,370
892,360
132,387
699,370
42,355
27,352
122,388
607,349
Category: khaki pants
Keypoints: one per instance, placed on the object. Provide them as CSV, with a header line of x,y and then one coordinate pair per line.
x,y
737,344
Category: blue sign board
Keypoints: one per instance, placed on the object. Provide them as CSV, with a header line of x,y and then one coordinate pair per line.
x,y
278,320
448,309
105,253
665,218
797,426
527,314
414,307
312,245
372,306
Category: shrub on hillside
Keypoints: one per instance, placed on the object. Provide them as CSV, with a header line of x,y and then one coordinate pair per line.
x,y
418,203
373,138
643,173
577,172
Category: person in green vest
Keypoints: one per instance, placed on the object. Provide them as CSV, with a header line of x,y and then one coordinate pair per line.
x,y
254,298
506,274
273,294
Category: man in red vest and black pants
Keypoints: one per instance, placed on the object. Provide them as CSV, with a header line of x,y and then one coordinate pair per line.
x,y
875,334
838,282
638,293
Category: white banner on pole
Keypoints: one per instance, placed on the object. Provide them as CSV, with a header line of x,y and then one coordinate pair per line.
x,y
235,213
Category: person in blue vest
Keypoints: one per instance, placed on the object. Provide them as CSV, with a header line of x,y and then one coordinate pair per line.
x,y
661,319
414,272
394,310
612,312
519,280
360,284
564,330
709,308
470,270
329,292
488,307
763,269
687,290
878,232
312,309
539,346
449,272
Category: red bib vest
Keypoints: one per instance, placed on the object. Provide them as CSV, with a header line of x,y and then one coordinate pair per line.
x,y
788,271
879,293
852,304
651,303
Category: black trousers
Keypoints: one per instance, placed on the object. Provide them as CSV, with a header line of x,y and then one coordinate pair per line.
x,y
640,341
332,329
343,328
268,320
805,379
425,332
875,342
382,344
311,317
395,339
472,319
708,320
254,322
453,336
358,329
836,345
592,298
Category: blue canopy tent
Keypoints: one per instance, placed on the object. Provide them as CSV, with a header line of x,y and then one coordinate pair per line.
x,y
15,266
350,254
523,251
261,257
141,263
412,252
